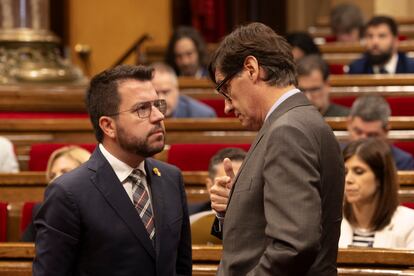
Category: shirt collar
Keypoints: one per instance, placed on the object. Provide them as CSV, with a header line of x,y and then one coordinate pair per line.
x,y
390,66
121,169
283,98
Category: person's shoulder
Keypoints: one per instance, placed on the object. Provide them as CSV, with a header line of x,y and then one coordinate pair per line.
x,y
196,108
404,160
336,110
75,179
357,66
4,142
408,62
404,216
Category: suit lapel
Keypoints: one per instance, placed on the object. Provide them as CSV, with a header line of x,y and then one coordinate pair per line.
x,y
108,184
155,183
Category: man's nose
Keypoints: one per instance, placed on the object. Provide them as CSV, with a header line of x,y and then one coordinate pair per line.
x,y
156,115
228,107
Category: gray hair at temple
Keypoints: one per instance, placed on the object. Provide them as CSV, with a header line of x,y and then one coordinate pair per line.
x,y
162,67
371,108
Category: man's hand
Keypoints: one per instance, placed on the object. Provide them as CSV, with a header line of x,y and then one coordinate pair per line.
x,y
220,191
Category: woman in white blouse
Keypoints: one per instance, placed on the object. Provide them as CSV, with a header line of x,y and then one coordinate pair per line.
x,y
372,215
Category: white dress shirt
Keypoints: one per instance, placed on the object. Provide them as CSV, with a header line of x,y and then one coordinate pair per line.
x,y
283,98
8,162
123,170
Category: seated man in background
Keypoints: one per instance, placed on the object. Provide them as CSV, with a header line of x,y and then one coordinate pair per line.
x,y
313,74
186,53
369,118
165,83
347,22
302,45
216,169
382,56
8,161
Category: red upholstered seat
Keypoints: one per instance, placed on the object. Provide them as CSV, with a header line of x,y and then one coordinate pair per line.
x,y
40,153
3,221
27,214
345,101
218,106
195,157
408,204
336,69
41,115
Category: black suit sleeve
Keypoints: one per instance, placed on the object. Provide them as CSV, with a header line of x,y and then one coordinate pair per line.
x,y
184,259
58,231
29,233
216,229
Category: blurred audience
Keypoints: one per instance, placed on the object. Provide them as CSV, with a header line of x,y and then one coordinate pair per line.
x,y
187,53
313,74
165,83
347,22
216,169
302,45
382,56
60,161
8,161
369,117
372,215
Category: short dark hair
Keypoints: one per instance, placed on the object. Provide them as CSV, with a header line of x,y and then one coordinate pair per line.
x,y
307,64
379,20
194,35
102,97
234,154
272,51
376,153
371,108
303,41
346,17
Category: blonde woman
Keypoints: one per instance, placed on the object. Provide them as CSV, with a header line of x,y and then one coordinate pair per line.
x,y
60,161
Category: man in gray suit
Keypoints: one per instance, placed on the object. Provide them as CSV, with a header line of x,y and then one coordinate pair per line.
x,y
281,214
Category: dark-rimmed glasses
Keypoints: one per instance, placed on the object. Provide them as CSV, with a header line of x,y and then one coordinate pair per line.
x,y
219,86
144,109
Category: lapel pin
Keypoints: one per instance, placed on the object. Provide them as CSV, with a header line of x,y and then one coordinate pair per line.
x,y
156,171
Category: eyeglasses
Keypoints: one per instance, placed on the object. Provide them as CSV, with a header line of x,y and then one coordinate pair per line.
x,y
219,86
144,109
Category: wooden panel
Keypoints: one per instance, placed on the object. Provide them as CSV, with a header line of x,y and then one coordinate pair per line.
x,y
110,29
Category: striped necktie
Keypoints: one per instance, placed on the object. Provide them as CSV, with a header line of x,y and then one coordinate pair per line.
x,y
142,202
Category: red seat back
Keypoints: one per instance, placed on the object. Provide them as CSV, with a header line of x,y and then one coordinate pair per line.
x,y
3,221
336,69
218,106
27,214
42,115
408,204
40,153
196,157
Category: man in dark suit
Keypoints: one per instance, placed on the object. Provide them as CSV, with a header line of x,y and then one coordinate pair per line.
x,y
216,169
313,75
281,214
165,83
382,56
369,118
121,212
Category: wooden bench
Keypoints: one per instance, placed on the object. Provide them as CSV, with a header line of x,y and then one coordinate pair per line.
x,y
351,262
55,98
16,260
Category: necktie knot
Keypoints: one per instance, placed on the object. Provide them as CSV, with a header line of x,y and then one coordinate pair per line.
x,y
136,176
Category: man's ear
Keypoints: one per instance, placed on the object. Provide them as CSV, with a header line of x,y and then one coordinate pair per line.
x,y
108,126
252,66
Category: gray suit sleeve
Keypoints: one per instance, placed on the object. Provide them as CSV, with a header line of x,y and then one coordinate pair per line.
x,y
292,203
58,231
